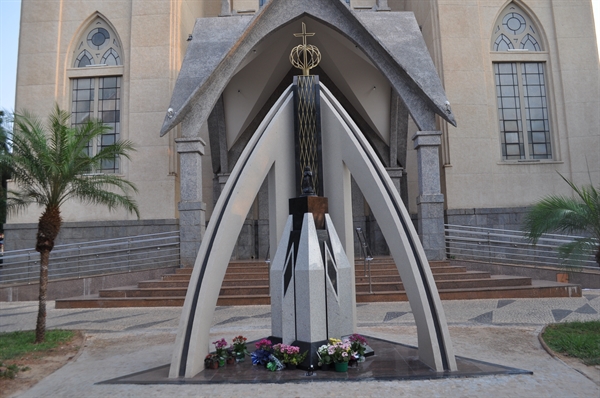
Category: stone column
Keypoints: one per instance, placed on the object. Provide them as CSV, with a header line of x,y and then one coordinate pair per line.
x,y
225,8
430,202
395,174
382,5
191,208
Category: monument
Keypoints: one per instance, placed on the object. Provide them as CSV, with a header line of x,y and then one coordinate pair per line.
x,y
222,48
310,277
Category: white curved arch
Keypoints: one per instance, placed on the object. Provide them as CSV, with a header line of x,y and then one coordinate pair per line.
x,y
269,144
342,137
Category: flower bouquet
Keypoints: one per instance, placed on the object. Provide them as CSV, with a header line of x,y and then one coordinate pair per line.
x,y
288,354
358,345
263,355
238,348
264,348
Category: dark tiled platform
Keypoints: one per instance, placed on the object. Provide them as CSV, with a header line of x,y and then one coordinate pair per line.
x,y
392,361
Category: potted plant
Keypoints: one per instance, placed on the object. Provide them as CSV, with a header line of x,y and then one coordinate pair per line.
x,y
325,359
211,361
341,353
221,351
288,354
238,348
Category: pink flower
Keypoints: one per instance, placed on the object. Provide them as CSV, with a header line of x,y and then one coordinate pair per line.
x,y
263,344
220,343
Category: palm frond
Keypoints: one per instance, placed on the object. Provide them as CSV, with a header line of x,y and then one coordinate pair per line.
x,y
49,163
569,215
578,251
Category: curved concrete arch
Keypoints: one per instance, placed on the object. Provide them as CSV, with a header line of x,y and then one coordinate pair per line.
x,y
405,63
264,149
435,346
349,152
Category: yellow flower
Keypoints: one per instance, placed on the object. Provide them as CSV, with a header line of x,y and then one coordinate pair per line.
x,y
334,341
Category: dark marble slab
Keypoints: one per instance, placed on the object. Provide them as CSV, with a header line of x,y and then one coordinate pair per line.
x,y
392,361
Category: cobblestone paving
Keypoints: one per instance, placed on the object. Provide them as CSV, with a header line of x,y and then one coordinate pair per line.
x,y
125,340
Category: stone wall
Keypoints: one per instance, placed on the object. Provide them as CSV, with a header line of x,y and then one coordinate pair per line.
x,y
73,287
22,236
588,279
509,218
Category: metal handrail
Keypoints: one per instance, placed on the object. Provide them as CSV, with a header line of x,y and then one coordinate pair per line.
x,y
76,260
509,246
367,257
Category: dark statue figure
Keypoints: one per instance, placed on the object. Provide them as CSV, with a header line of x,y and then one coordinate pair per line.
x,y
307,183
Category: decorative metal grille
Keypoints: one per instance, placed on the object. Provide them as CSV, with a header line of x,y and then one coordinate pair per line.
x,y
307,129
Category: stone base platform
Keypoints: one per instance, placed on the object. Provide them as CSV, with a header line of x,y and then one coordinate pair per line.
x,y
392,361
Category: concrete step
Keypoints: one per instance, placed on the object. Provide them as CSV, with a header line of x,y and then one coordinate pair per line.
x,y
495,281
244,290
438,277
241,300
157,284
376,271
247,283
94,301
133,291
538,289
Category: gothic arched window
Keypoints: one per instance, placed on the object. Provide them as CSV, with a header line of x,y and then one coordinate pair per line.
x,y
520,65
98,94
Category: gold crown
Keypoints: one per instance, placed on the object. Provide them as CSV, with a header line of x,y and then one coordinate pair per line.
x,y
305,56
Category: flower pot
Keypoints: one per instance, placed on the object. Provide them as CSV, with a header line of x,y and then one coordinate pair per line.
x,y
240,356
221,362
341,366
212,365
290,366
230,360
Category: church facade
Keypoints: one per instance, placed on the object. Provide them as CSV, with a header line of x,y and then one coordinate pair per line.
x,y
521,77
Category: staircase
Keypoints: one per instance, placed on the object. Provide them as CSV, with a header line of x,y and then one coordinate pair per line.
x,y
247,283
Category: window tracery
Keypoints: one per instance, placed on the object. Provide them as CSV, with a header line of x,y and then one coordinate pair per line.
x,y
521,87
98,46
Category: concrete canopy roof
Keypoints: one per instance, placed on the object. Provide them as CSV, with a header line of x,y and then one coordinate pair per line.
x,y
392,41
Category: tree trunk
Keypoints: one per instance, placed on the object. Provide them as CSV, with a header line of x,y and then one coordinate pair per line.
x,y
48,228
598,256
40,327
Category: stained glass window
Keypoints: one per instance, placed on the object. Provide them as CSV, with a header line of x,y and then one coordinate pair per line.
x,y
111,57
515,27
99,96
84,59
98,45
521,92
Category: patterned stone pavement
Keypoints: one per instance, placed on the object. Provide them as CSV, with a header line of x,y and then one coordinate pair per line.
x,y
126,340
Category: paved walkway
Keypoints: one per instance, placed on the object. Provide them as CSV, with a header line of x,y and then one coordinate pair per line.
x,y
127,340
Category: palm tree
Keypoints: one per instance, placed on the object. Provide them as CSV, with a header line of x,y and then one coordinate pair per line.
x,y
49,165
580,215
